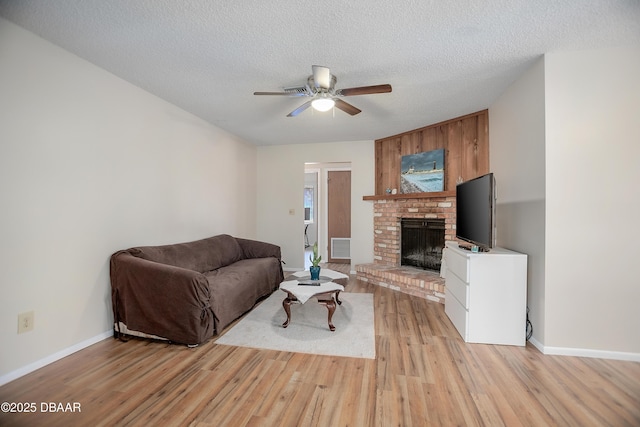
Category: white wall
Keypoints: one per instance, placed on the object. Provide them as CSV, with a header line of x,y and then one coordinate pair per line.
x,y
587,302
280,183
593,201
90,164
517,153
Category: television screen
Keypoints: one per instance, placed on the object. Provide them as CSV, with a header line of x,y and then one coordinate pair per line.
x,y
475,211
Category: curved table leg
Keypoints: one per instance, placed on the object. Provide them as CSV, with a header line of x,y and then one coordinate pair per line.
x,y
286,304
338,299
331,306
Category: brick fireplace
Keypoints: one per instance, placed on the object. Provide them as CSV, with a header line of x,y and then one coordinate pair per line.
x,y
386,269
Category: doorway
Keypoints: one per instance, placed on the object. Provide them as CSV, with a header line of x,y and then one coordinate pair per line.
x,y
327,207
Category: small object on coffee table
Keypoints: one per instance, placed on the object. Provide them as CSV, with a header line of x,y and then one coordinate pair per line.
x,y
309,283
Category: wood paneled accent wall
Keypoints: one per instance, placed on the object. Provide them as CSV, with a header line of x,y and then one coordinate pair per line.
x,y
465,141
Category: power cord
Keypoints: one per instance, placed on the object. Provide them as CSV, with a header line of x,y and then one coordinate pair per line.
x,y
529,328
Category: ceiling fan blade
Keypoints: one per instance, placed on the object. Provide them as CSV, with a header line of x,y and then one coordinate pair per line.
x,y
346,107
294,94
300,109
321,76
364,90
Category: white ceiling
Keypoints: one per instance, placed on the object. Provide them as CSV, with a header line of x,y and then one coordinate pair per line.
x,y
443,58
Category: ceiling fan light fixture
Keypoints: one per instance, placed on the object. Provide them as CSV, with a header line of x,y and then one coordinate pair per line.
x,y
320,88
323,104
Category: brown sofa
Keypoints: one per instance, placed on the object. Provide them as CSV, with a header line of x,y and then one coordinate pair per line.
x,y
188,292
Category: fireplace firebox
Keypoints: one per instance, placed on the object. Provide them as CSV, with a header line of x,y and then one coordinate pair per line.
x,y
422,242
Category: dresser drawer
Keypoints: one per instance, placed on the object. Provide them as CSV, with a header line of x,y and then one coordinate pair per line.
x,y
456,312
457,263
458,288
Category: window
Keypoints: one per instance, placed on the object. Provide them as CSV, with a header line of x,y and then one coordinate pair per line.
x,y
308,204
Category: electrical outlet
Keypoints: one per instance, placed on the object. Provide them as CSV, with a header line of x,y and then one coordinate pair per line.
x,y
25,322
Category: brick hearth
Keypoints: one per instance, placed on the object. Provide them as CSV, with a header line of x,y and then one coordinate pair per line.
x,y
386,269
410,280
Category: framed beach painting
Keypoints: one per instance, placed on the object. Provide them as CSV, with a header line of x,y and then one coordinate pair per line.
x,y
422,172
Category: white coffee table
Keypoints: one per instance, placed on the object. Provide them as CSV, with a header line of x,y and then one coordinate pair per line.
x,y
302,289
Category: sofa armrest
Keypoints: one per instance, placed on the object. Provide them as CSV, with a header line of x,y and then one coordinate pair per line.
x,y
257,249
160,299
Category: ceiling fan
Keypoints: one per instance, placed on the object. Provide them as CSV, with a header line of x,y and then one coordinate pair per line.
x,y
321,88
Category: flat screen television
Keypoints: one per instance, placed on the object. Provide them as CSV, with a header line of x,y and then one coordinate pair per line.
x,y
475,212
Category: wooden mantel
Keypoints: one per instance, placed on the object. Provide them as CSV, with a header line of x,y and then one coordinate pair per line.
x,y
431,195
465,141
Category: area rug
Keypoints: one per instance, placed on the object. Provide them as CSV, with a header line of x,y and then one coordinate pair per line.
x,y
308,331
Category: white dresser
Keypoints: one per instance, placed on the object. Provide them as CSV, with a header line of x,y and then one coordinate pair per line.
x,y
486,294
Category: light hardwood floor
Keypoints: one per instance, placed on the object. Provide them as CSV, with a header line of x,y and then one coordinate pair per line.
x,y
423,375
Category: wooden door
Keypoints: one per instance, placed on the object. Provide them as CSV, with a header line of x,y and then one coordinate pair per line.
x,y
338,208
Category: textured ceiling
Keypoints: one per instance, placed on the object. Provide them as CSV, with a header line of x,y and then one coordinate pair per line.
x,y
443,58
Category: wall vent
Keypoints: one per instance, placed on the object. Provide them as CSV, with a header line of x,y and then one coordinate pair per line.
x,y
341,248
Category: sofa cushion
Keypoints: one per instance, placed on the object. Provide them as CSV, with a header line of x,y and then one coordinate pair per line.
x,y
201,255
234,289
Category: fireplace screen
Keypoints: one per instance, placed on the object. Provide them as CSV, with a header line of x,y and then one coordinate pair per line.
x,y
422,242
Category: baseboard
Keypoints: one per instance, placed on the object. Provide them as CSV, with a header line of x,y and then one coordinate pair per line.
x,y
597,354
585,352
52,358
537,344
